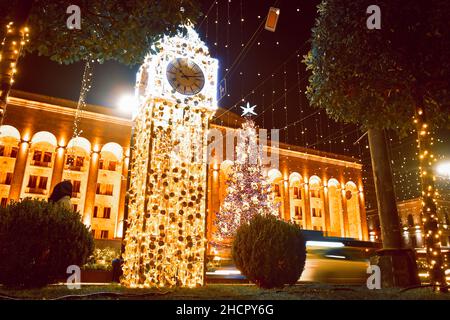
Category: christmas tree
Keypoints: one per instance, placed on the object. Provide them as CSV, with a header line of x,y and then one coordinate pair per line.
x,y
248,191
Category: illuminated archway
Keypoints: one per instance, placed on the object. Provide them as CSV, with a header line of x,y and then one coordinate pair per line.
x,y
80,143
335,208
276,179
44,137
114,149
7,131
316,203
296,197
354,217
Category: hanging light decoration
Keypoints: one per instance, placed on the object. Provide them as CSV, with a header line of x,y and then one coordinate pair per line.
x,y
12,46
437,262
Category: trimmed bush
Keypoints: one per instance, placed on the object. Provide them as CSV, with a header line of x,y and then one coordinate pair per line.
x,y
269,252
38,241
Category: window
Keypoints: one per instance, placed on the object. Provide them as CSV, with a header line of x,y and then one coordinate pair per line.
x,y
75,207
42,159
105,189
76,186
5,178
79,162
109,189
298,212
70,160
42,183
297,193
8,151
104,234
8,178
100,164
32,182
93,233
106,213
112,166
14,152
95,211
316,212
315,194
4,202
37,155
277,190
47,157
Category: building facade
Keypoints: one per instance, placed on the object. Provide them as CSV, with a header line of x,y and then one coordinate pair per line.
x,y
410,216
316,190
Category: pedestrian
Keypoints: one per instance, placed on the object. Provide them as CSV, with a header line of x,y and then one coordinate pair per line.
x,y
61,194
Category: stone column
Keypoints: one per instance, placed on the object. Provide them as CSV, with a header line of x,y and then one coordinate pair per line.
x,y
307,212
363,216
91,188
19,171
286,201
326,209
214,206
345,213
58,167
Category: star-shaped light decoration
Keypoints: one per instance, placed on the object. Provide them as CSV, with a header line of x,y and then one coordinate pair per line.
x,y
248,110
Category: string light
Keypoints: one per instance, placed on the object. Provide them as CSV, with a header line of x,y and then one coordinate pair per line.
x,y
86,85
16,38
437,262
248,190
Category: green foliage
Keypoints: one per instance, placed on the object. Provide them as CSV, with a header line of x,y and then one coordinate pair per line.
x,y
377,77
38,241
269,252
101,259
110,30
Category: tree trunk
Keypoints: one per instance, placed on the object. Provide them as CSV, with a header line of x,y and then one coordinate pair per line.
x,y
384,187
398,266
432,229
10,52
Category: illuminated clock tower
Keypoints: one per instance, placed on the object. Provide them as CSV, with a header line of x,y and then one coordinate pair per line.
x,y
165,240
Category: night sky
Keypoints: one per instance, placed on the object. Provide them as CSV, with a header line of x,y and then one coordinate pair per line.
x,y
268,73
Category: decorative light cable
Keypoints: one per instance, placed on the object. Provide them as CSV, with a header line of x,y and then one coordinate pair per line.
x,y
86,84
437,263
12,46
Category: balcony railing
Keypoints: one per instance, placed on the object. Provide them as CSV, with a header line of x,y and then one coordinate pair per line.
x,y
41,163
36,191
74,168
76,195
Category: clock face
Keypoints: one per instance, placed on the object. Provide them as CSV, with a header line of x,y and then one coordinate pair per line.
x,y
185,76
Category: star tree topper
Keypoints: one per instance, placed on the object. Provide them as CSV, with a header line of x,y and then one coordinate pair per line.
x,y
248,110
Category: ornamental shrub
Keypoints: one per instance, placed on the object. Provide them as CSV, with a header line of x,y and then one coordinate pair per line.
x,y
269,252
38,241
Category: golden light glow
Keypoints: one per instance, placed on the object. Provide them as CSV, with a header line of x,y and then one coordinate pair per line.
x,y
165,240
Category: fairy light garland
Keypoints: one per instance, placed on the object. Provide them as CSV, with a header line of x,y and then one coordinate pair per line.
x,y
437,263
86,85
12,46
249,192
